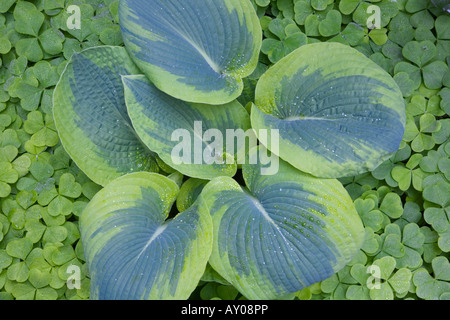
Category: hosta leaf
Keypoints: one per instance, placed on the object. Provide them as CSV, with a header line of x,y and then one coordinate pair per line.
x,y
189,191
196,51
132,251
178,131
334,118
281,233
91,116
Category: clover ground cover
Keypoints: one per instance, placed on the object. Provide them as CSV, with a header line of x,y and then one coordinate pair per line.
x,y
402,201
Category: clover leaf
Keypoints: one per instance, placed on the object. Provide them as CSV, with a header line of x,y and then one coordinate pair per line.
x,y
432,287
302,10
323,23
358,184
438,218
359,291
441,25
387,9
382,284
28,19
68,186
372,242
411,214
405,175
348,6
35,92
35,230
338,284
435,188
391,242
418,133
400,29
19,248
444,94
391,205
370,215
384,170
331,25
422,19
353,34
421,53
43,131
430,162
39,275
286,7
413,240
420,105
404,81
8,176
430,247
289,39
390,282
5,5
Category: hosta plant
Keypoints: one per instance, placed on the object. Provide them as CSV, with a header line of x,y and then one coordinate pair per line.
x,y
116,108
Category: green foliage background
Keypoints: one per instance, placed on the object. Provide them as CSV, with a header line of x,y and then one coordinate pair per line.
x,y
404,203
